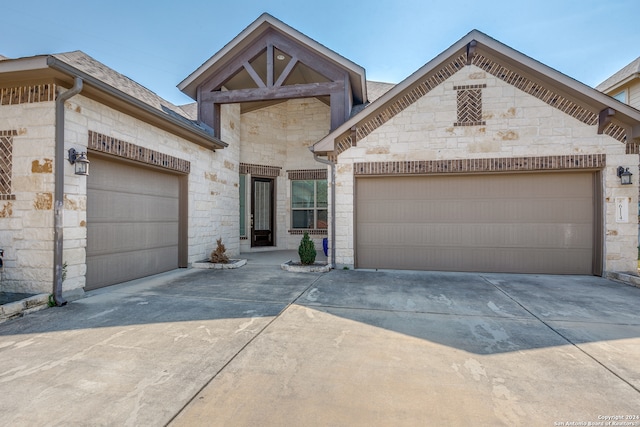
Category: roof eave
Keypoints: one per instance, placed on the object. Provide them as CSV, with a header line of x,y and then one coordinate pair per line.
x,y
598,100
619,85
165,121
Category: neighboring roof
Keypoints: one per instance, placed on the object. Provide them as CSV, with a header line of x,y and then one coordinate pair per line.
x,y
112,88
376,89
501,61
628,73
251,34
190,110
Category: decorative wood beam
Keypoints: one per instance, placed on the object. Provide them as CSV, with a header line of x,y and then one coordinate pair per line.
x,y
287,70
232,67
254,75
270,69
604,119
471,51
270,38
217,126
311,59
309,90
337,109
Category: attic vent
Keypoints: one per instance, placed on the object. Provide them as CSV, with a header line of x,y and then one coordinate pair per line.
x,y
469,99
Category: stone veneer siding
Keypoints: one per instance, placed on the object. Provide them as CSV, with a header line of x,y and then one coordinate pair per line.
x,y
528,128
279,136
26,223
435,78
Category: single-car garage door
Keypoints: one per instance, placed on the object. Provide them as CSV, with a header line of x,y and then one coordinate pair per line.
x,y
521,223
132,222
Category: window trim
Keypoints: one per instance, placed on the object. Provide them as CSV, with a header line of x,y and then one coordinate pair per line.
x,y
315,207
625,94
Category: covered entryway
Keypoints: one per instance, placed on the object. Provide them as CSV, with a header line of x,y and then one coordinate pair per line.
x,y
520,223
133,222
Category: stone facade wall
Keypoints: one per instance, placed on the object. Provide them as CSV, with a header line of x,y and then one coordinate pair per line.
x,y
26,214
516,125
211,178
279,136
26,220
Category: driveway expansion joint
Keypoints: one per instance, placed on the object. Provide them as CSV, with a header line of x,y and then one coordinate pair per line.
x,y
579,348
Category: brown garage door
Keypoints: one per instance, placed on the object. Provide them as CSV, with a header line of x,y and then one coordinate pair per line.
x,y
523,223
132,222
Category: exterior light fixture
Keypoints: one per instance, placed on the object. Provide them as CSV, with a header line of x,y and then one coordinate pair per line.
x,y
624,175
280,57
80,161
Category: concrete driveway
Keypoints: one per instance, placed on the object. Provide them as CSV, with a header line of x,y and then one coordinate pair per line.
x,y
260,346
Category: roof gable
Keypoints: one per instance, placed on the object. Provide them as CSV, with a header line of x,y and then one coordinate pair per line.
x,y
248,42
556,89
623,76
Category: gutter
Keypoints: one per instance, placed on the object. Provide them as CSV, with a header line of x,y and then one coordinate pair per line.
x,y
58,237
332,236
59,65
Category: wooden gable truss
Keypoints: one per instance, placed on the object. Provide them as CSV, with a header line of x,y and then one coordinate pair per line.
x,y
272,69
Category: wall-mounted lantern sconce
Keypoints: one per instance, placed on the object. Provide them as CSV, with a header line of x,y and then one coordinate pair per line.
x,y
80,161
624,175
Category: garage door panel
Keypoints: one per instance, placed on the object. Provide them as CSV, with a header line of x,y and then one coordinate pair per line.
x,y
541,223
108,206
132,222
131,265
487,259
491,235
520,210
130,236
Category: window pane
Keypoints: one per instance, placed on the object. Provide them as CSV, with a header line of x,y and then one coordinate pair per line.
x,y
302,219
621,96
322,218
262,208
243,204
302,194
322,193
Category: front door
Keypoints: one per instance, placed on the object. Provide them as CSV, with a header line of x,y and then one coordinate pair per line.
x,y
262,212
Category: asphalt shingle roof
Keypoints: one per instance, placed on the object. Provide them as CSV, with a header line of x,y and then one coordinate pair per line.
x,y
629,70
98,70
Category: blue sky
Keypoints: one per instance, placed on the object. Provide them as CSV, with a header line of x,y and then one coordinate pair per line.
x,y
159,43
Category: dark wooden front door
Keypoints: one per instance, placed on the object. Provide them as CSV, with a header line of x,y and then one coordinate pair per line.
x,y
262,211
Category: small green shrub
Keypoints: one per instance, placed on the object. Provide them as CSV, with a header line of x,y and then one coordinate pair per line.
x,y
307,250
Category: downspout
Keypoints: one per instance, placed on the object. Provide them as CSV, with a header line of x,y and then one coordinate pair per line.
x,y
332,236
59,191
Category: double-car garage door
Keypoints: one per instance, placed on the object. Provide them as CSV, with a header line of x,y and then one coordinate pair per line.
x,y
522,223
132,222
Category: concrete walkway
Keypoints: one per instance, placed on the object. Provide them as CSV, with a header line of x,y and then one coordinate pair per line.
x,y
260,346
